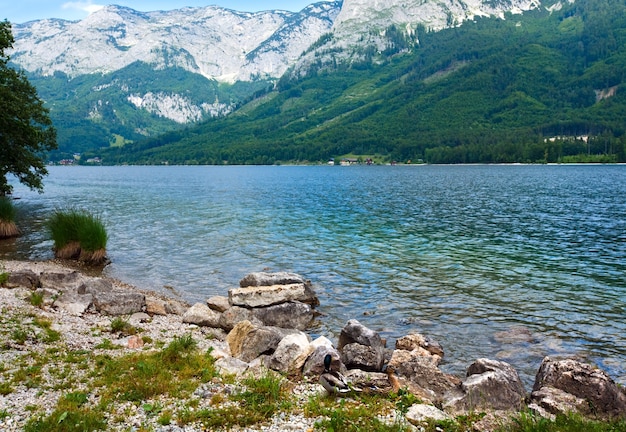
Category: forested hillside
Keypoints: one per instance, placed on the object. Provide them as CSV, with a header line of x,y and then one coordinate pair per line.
x,y
529,88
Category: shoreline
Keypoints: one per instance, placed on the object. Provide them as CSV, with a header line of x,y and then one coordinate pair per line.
x,y
91,335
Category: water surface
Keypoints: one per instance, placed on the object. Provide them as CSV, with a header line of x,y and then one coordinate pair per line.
x,y
507,262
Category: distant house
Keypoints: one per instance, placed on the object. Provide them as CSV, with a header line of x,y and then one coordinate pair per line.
x,y
349,161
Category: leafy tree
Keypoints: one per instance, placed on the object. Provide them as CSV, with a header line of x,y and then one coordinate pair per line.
x,y
26,130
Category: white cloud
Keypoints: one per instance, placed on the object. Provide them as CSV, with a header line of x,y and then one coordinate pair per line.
x,y
85,6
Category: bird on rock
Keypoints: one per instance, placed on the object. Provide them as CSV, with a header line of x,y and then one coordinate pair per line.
x,y
333,381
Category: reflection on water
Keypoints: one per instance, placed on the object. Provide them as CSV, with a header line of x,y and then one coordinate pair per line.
x,y
507,262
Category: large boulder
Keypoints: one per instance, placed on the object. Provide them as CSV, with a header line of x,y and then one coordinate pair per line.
x,y
314,365
490,385
263,279
292,315
202,315
72,302
291,353
234,315
248,341
61,281
119,302
94,286
25,278
357,356
569,385
371,353
422,374
261,296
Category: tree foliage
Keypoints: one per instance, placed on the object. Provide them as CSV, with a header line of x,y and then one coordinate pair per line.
x,y
26,130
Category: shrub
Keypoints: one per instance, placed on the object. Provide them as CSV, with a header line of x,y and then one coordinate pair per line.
x,y
8,228
78,234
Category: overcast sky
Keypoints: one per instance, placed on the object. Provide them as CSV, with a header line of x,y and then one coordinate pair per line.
x,y
20,11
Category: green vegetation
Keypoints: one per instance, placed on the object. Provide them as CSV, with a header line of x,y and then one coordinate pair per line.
x,y
528,422
8,228
86,124
539,87
25,128
121,325
101,389
78,234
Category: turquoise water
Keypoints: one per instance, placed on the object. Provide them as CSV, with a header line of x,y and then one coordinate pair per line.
x,y
507,262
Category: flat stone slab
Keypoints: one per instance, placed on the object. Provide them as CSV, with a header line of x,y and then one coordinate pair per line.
x,y
261,296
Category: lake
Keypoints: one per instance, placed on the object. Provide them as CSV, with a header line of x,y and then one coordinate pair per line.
x,y
507,262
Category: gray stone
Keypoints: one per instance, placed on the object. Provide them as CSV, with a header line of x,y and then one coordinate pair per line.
x,y
94,286
218,303
202,315
549,401
174,307
357,356
60,281
248,341
422,414
603,397
280,278
421,372
371,356
291,353
268,279
293,315
261,296
490,385
231,366
234,315
25,278
314,365
355,332
73,303
139,318
119,302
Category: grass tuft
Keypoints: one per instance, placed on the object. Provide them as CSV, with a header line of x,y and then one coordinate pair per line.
x,y
78,234
8,228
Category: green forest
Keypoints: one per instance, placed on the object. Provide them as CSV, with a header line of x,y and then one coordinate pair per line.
x,y
541,87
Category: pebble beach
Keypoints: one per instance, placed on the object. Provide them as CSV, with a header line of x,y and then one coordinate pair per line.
x,y
38,397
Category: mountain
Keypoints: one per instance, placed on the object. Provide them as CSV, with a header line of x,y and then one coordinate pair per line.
x,y
544,86
217,43
120,75
234,86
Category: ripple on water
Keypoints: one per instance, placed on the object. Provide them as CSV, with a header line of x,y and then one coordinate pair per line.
x,y
461,253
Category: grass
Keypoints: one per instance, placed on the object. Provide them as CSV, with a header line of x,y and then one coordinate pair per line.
x,y
8,228
529,422
35,298
258,400
360,413
78,234
123,326
100,389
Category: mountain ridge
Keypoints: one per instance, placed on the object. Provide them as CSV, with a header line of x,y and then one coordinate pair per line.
x,y
174,69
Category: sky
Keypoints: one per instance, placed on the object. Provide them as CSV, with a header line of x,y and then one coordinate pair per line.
x,y
20,11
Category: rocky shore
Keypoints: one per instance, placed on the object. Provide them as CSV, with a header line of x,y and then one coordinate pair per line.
x,y
51,311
